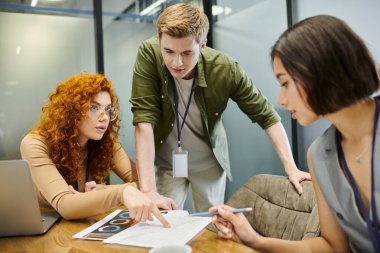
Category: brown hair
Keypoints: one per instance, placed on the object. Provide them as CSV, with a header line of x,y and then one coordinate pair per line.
x,y
181,20
59,122
329,61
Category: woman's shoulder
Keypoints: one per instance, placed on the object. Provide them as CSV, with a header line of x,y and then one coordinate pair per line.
x,y
325,140
32,139
117,147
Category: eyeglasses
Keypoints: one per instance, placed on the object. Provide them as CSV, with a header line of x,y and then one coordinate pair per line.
x,y
110,111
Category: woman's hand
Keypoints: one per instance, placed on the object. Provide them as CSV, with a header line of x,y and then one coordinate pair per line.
x,y
141,207
88,187
233,226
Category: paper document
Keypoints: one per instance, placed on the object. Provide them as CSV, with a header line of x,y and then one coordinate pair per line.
x,y
153,234
110,225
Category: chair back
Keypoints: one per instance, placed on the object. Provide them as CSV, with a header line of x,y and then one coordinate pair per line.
x,y
278,210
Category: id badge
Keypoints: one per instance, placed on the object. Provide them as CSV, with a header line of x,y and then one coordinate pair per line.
x,y
180,164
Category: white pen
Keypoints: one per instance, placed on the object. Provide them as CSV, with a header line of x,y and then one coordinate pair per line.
x,y
237,210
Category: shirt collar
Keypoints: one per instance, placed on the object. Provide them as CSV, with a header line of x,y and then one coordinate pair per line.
x,y
201,80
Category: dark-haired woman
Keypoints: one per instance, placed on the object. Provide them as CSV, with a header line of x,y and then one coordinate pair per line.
x,y
326,71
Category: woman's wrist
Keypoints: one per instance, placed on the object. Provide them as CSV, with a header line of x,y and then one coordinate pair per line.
x,y
256,241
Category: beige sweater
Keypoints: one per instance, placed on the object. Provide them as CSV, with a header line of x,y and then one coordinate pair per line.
x,y
53,191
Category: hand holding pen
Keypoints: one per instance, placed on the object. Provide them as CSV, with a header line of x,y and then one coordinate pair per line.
x,y
233,224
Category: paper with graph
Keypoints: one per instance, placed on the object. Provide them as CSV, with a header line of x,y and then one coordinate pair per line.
x,y
153,234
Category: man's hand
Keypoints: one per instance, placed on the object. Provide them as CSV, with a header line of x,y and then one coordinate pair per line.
x,y
296,177
279,140
161,201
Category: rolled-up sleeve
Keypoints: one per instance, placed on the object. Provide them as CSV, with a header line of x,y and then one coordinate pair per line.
x,y
145,98
251,101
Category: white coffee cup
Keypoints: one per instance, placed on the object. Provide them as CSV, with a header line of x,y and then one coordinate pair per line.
x,y
175,248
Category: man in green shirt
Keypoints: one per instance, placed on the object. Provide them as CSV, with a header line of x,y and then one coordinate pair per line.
x,y
180,90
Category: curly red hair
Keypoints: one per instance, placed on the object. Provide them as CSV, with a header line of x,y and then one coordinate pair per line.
x,y
59,122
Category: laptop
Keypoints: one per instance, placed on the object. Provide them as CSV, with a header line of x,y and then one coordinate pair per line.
x,y
20,213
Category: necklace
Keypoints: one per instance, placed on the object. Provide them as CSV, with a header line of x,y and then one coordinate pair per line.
x,y
373,224
358,158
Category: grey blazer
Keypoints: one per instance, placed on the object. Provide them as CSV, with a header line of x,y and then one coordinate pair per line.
x,y
337,190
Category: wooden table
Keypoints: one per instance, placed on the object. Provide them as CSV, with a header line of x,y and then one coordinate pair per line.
x,y
59,239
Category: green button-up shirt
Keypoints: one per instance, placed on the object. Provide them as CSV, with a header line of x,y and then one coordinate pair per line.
x,y
219,79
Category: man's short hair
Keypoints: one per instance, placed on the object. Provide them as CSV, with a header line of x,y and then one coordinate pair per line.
x,y
182,20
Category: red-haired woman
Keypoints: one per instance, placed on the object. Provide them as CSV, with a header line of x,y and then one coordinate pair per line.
x,y
74,147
